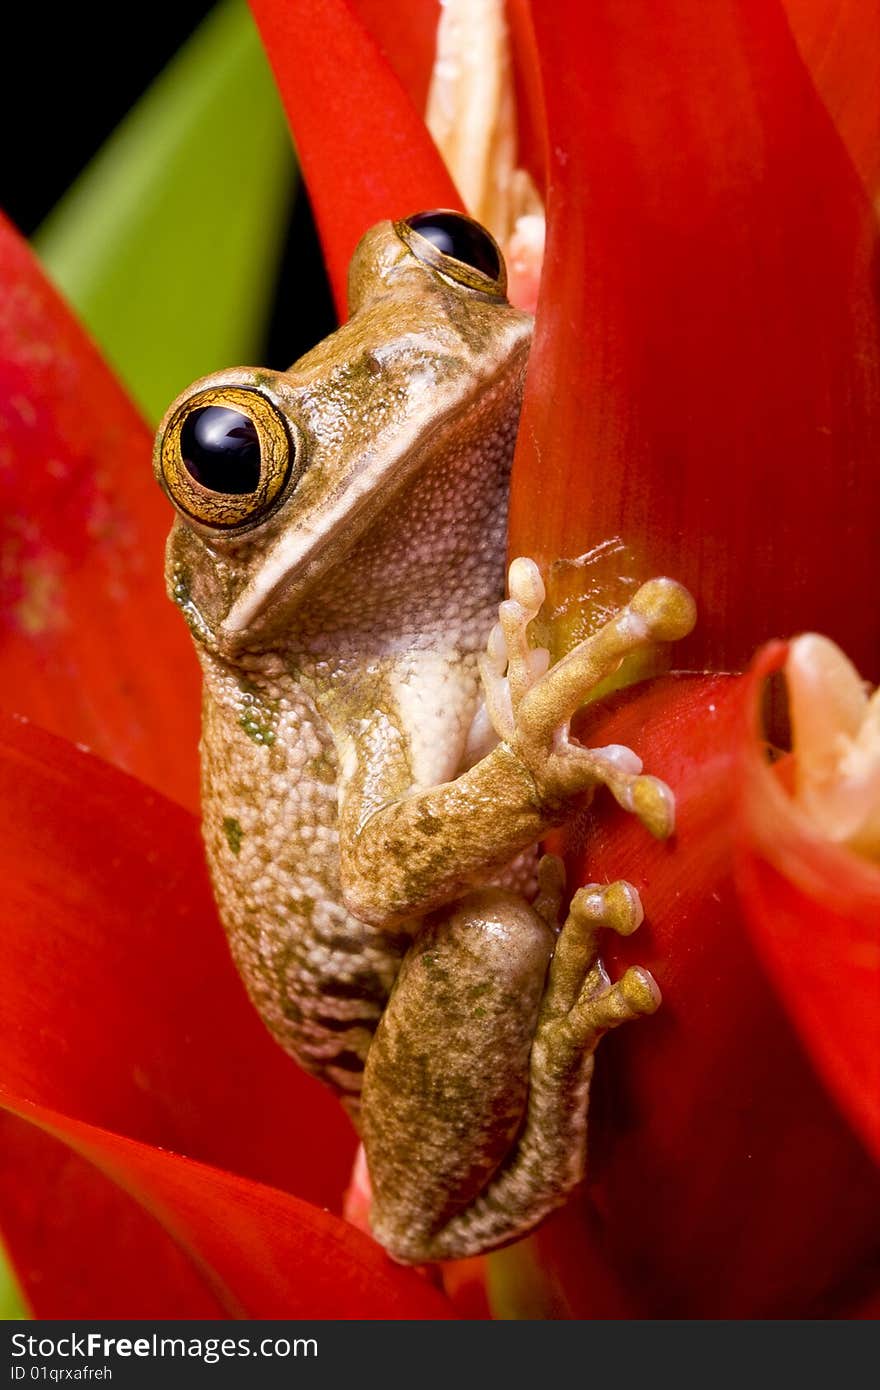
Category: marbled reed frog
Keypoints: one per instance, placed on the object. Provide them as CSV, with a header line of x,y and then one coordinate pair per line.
x,y
375,778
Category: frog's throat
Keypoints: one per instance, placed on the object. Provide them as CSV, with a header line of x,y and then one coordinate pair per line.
x,y
328,532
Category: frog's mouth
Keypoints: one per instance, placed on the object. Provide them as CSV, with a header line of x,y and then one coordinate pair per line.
x,y
328,524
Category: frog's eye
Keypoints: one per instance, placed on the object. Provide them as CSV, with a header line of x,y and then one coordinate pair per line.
x,y
457,246
225,456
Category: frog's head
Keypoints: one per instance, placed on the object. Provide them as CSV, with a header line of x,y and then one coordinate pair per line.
x,y
276,475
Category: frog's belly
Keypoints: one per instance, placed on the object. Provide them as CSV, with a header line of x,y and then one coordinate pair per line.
x,y
319,977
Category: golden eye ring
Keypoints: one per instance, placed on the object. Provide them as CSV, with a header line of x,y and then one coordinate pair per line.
x,y
458,247
225,457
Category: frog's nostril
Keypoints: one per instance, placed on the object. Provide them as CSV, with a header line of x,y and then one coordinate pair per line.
x,y
220,449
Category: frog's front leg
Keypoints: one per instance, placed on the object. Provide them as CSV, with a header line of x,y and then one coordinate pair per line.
x,y
476,1087
402,856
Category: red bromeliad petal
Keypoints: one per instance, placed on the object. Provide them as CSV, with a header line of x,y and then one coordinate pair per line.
x,y
723,1181
406,32
364,149
126,1031
256,1251
82,1247
90,645
531,119
704,377
813,908
839,41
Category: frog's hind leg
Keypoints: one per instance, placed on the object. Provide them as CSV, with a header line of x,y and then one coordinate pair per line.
x,y
580,1004
468,1174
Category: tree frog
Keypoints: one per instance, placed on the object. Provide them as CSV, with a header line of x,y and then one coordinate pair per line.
x,y
376,774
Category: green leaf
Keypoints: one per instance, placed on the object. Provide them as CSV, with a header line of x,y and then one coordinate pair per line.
x,y
12,1305
168,244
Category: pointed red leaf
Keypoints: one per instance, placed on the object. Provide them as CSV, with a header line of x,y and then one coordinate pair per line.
x,y
406,32
839,41
261,1253
531,118
364,149
723,1181
813,908
704,379
90,646
81,1246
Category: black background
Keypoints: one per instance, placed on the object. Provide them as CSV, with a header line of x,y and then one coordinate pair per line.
x,y
68,74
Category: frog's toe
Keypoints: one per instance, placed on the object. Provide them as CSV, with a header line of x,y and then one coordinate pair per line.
x,y
614,905
524,664
581,1001
635,994
510,666
640,992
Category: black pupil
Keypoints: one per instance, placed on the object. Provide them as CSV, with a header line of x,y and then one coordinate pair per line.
x,y
460,238
221,449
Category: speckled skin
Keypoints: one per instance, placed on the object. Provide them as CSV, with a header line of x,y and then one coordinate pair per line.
x,y
355,792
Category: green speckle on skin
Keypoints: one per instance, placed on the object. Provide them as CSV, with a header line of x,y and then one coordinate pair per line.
x,y
182,594
260,733
233,832
257,717
476,991
436,969
181,585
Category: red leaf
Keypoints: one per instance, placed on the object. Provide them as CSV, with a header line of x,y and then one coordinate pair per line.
x,y
82,1247
813,908
364,149
125,1027
839,41
260,1252
90,646
723,1182
704,378
406,32
531,117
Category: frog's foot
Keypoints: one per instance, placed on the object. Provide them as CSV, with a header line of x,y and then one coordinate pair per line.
x,y
531,703
581,1002
579,1005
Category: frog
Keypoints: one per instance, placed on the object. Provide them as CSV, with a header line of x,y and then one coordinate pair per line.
x,y
384,747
